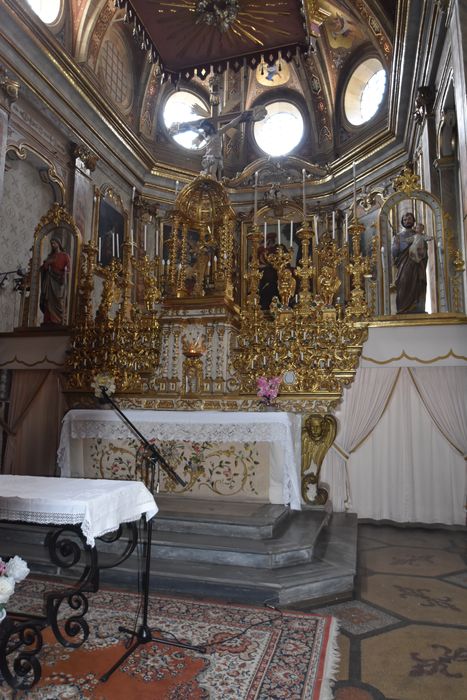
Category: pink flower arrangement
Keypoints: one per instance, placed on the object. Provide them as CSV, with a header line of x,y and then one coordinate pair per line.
x,y
268,389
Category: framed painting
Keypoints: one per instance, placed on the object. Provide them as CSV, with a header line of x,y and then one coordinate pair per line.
x,y
111,227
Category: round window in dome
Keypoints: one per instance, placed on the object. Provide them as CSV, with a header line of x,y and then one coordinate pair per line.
x,y
47,10
365,91
184,106
281,130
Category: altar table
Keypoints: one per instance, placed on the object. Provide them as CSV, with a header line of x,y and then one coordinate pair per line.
x,y
281,432
79,511
98,507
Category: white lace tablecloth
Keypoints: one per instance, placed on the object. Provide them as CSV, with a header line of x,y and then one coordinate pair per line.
x,y
282,430
99,506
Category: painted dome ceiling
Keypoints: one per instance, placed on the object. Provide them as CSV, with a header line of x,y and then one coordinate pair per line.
x,y
295,52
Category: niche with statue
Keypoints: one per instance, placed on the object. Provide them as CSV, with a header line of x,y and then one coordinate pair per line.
x,y
49,289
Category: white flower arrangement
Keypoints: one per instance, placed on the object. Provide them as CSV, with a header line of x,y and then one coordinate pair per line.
x,y
11,572
103,381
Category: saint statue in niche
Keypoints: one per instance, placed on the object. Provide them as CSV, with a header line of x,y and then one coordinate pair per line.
x,y
54,284
410,255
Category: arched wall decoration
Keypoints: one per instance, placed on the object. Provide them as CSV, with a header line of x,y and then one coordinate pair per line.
x,y
387,228
24,151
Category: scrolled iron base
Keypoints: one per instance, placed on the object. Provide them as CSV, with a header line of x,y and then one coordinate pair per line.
x,y
65,609
20,642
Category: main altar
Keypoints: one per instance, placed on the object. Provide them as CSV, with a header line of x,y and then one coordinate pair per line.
x,y
214,309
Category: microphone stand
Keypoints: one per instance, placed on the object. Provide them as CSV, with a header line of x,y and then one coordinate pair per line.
x,y
144,634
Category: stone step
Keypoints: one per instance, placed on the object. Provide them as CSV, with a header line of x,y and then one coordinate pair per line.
x,y
305,561
329,576
293,546
254,520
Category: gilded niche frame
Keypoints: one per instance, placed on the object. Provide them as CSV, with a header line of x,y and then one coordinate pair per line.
x,y
111,228
290,216
56,224
427,209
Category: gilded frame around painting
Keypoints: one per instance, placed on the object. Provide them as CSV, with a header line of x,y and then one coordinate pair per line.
x,y
110,227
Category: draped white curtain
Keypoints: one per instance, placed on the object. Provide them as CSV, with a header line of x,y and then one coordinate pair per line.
x,y
361,409
399,453
443,391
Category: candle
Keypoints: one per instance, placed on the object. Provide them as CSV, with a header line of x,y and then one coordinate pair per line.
x,y
117,245
265,234
145,237
157,239
133,194
354,168
176,187
316,229
256,197
303,193
113,244
346,226
291,234
131,232
100,250
278,231
333,225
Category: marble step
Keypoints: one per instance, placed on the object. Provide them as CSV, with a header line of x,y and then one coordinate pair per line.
x,y
255,520
329,576
294,545
305,562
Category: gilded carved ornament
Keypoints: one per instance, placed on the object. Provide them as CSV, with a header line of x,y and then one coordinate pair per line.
x,y
9,87
318,434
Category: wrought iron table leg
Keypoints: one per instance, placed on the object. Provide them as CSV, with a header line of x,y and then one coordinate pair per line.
x,y
20,642
21,635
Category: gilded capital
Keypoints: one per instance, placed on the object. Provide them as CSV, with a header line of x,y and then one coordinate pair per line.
x,y
9,87
85,155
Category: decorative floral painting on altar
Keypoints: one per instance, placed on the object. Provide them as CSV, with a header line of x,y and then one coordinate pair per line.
x,y
210,469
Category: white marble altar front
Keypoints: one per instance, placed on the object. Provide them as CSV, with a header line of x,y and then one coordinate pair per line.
x,y
220,454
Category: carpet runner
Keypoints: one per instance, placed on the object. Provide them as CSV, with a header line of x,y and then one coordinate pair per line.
x,y
253,653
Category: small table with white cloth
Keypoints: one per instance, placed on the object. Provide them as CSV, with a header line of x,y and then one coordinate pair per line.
x,y
280,430
79,511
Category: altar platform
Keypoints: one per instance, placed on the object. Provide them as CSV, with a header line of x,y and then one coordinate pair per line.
x,y
245,552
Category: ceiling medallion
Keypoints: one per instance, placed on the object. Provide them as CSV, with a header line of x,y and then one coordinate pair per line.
x,y
220,14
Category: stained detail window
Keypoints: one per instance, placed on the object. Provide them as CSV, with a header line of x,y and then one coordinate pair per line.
x,y
281,130
114,69
47,10
184,106
365,91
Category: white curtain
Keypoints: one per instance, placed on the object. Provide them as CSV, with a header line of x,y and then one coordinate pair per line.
x,y
443,391
408,471
363,404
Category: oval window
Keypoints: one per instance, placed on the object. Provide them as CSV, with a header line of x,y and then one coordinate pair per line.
x,y
184,106
365,91
281,130
47,10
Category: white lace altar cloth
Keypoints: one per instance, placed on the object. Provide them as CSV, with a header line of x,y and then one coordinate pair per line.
x,y
282,430
99,506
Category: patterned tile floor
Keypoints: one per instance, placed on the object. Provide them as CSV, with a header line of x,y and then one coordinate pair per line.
x,y
404,636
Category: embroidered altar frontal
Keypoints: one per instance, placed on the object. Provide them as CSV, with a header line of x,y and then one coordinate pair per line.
x,y
219,454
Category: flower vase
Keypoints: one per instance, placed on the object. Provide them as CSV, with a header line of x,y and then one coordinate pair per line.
x,y
270,407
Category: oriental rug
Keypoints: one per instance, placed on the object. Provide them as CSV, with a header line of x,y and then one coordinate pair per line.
x,y
254,653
